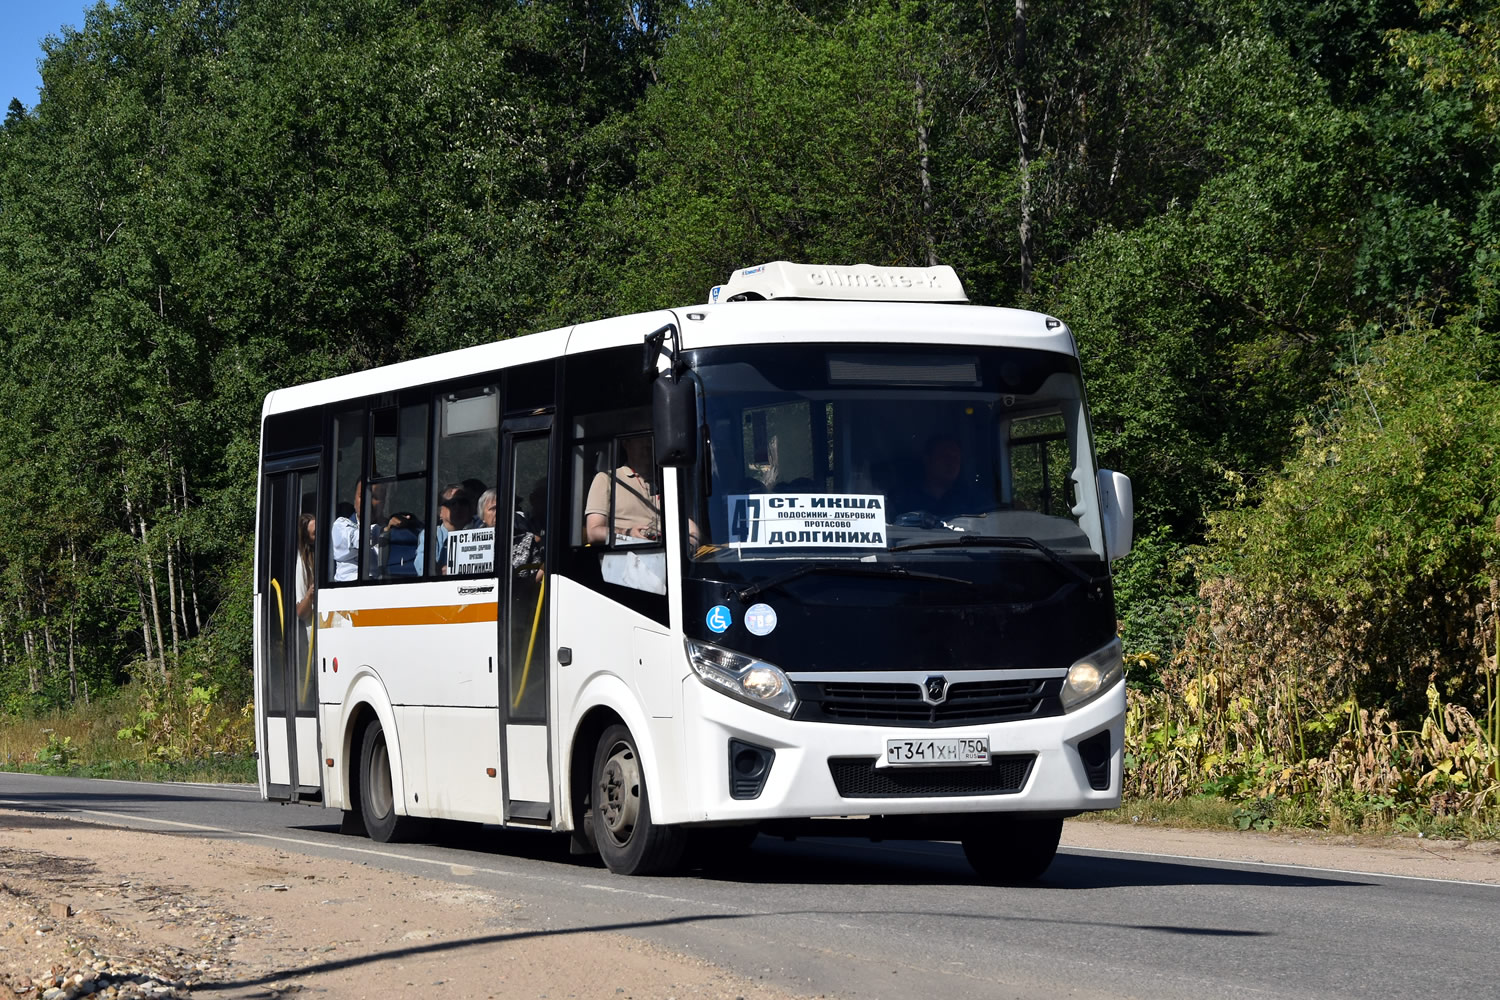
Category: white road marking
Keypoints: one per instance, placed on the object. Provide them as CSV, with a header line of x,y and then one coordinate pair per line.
x,y
374,852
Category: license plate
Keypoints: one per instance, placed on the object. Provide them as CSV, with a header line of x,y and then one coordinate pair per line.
x,y
956,750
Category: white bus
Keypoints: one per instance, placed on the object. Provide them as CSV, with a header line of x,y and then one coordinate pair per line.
x,y
827,553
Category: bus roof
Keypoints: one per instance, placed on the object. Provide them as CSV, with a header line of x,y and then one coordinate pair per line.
x,y
727,324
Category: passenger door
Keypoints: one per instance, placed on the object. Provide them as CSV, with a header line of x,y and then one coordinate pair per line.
x,y
287,679
522,537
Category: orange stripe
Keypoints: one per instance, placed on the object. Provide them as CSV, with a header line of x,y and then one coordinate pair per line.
x,y
447,614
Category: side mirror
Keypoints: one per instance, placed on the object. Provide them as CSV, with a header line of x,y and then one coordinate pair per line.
x,y
1116,512
674,421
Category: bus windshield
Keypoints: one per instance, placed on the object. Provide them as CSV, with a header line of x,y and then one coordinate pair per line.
x,y
890,455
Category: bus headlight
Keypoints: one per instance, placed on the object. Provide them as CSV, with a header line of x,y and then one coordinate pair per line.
x,y
1093,675
744,677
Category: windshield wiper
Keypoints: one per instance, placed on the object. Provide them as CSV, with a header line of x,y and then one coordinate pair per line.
x,y
885,570
1000,542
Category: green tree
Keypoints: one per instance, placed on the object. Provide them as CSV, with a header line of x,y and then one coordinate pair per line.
x,y
1378,542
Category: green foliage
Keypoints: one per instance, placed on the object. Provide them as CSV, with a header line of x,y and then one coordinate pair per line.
x,y
1380,532
1206,329
1362,574
1274,228
1257,814
84,742
1155,597
208,204
1455,47
59,753
183,719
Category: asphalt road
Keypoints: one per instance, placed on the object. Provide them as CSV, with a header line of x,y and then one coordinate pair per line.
x,y
848,918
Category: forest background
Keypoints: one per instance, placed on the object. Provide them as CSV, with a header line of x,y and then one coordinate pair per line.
x,y
1273,225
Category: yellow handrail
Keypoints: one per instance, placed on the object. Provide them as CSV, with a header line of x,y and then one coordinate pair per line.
x,y
536,622
280,606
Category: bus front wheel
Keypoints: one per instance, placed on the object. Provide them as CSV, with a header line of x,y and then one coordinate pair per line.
x,y
629,842
376,791
1011,849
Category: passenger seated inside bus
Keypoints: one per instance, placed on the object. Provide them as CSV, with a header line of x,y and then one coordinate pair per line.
x,y
403,540
475,489
527,529
455,512
635,502
488,507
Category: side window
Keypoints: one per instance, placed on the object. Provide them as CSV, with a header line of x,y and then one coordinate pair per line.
x,y
620,489
379,521
346,496
1040,465
612,508
398,492
468,447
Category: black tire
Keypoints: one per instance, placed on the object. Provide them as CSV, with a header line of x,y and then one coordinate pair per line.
x,y
376,796
629,842
352,822
1011,850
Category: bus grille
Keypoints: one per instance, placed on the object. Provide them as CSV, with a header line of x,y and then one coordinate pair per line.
x,y
859,778
974,702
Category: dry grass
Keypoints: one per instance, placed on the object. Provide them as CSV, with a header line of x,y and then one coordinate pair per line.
x,y
1249,714
89,741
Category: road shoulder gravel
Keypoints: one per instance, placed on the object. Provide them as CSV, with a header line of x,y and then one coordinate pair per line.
x,y
96,911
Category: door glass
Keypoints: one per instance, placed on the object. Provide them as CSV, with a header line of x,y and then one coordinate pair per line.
x,y
468,442
526,620
305,595
278,585
344,520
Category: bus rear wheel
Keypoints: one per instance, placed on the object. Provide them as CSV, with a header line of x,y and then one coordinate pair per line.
x,y
629,842
1011,849
377,797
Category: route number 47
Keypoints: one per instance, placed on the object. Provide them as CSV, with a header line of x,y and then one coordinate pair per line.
x,y
744,521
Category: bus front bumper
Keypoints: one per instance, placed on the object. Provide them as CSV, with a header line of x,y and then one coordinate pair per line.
x,y
1059,765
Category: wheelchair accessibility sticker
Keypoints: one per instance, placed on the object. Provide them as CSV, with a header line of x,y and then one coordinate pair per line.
x,y
719,619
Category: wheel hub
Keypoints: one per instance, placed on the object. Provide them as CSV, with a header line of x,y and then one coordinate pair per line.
x,y
620,792
381,797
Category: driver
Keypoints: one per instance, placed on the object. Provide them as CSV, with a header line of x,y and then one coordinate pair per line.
x,y
942,491
637,507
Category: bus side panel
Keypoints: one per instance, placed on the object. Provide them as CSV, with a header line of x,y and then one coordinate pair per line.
x,y
433,651
335,748
462,748
604,672
410,728
431,645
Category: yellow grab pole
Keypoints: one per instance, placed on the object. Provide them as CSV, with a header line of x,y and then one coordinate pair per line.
x,y
536,621
280,605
